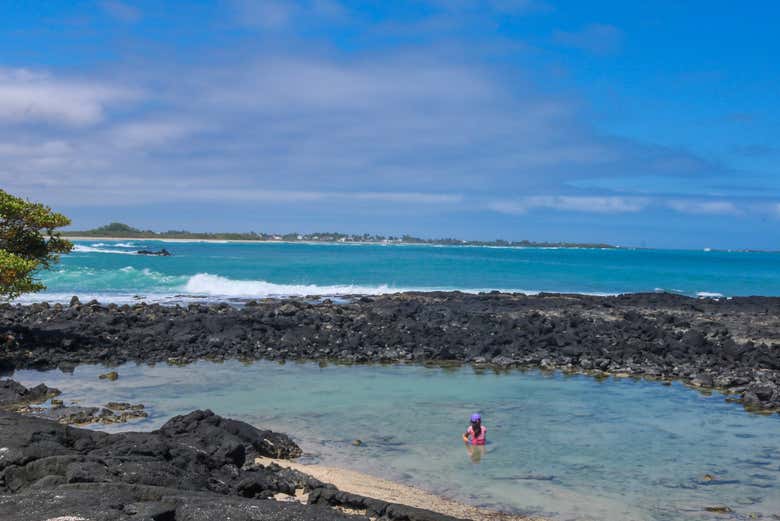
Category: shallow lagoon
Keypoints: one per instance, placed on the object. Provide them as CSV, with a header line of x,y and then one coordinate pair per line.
x,y
568,447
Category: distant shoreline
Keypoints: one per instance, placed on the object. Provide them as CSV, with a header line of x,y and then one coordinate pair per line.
x,y
475,244
122,231
353,243
161,239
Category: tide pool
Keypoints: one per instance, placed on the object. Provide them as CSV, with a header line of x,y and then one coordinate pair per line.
x,y
112,271
567,447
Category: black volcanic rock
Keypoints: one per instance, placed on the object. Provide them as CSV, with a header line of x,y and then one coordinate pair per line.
x,y
160,253
14,394
729,344
197,467
47,469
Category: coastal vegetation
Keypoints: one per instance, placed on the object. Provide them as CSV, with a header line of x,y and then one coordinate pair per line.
x,y
124,231
29,241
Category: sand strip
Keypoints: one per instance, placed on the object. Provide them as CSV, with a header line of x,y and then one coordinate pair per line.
x,y
390,491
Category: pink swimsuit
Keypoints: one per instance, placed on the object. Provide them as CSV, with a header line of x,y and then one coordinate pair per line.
x,y
477,440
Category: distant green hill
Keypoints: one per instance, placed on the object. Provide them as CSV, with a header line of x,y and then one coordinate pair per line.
x,y
125,231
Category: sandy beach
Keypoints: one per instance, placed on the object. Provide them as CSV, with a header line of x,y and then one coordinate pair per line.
x,y
390,491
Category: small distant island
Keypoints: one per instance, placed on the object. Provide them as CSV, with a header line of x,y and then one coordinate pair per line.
x,y
123,231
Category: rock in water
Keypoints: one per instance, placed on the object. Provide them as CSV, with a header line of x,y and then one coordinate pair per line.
x,y
113,375
720,509
124,406
14,395
160,253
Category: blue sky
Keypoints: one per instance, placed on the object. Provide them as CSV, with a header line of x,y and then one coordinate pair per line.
x,y
653,124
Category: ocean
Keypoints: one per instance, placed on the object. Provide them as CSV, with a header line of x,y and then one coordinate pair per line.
x,y
112,271
566,447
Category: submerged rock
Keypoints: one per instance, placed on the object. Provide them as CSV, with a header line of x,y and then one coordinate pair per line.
x,y
720,509
77,415
124,406
113,375
16,397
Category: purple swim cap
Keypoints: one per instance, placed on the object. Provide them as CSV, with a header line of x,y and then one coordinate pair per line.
x,y
476,417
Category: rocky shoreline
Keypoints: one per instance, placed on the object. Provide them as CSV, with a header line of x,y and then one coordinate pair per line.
x,y
15,397
196,467
731,345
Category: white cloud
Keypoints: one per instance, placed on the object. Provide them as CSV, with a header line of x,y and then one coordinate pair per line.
x,y
301,196
588,204
288,83
112,190
151,133
703,207
397,129
27,96
46,148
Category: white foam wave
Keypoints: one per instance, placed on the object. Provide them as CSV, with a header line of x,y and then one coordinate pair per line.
x,y
209,285
80,248
218,286
709,294
103,298
115,244
206,284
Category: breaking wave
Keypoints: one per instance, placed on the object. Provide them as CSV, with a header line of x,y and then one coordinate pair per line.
x,y
709,294
80,248
115,244
218,286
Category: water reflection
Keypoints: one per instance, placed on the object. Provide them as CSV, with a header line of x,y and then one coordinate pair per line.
x,y
475,453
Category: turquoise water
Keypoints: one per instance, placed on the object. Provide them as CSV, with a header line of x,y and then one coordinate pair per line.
x,y
109,270
565,447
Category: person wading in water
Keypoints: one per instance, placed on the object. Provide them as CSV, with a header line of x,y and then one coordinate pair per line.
x,y
474,438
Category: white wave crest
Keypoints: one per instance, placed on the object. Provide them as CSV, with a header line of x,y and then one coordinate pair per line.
x,y
217,286
80,248
709,294
115,244
206,284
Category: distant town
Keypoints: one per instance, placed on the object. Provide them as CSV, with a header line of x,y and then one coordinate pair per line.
x,y
124,231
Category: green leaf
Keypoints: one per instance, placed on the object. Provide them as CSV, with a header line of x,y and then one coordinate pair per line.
x,y
28,242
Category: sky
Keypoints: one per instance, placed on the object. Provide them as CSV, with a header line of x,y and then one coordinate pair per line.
x,y
635,123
